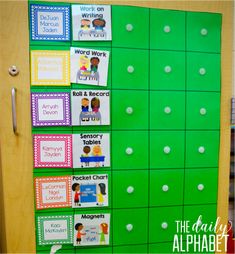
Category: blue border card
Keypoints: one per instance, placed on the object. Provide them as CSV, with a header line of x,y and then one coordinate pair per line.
x,y
49,22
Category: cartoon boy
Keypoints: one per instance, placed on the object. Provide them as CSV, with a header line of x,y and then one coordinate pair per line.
x,y
99,24
85,104
94,64
77,194
86,150
79,227
85,24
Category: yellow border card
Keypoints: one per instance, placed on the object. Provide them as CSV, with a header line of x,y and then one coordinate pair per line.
x,y
50,68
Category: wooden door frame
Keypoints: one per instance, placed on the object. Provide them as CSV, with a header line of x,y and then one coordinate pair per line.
x,y
16,164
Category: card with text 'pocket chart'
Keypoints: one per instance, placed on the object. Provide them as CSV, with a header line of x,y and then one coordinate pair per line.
x,y
49,23
50,109
89,190
53,191
50,68
91,22
89,66
90,107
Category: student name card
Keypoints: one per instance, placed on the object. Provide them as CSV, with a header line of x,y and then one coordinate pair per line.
x,y
50,68
50,23
91,150
90,107
89,66
89,190
91,22
52,151
55,229
50,109
91,229
53,191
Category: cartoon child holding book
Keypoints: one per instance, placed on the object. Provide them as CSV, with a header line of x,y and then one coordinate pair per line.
x,y
79,227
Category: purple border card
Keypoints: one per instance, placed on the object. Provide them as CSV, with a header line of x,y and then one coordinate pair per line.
x,y
50,109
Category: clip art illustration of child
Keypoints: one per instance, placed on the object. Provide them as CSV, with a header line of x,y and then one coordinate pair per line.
x,y
101,193
96,151
86,150
83,63
94,64
85,24
77,194
85,105
95,104
79,227
99,24
104,231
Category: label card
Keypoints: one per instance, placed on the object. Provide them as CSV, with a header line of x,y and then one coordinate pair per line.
x,y
52,151
91,150
54,191
89,66
55,229
50,23
50,68
90,107
91,22
91,229
50,109
89,190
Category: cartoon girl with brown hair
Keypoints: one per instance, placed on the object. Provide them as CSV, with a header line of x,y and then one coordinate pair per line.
x,y
104,231
95,104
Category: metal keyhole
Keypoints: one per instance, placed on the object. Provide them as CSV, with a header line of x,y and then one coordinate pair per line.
x,y
13,70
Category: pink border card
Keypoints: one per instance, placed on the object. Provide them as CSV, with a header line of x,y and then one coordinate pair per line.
x,y
52,151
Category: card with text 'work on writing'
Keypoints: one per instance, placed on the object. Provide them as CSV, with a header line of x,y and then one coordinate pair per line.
x,y
91,150
91,229
90,107
52,151
89,66
50,22
50,68
53,191
91,22
55,229
89,190
50,109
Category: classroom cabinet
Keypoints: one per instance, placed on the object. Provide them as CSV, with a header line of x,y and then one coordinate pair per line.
x,y
166,187
141,248
167,110
129,150
166,149
130,188
130,68
203,72
163,227
167,70
202,149
201,186
167,29
130,226
203,32
130,26
203,110
132,113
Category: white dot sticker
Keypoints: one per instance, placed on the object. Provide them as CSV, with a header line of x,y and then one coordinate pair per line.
x,y
201,149
129,110
167,149
167,110
129,27
164,225
202,111
204,31
167,29
129,151
167,69
200,187
129,227
165,187
130,189
202,71
130,69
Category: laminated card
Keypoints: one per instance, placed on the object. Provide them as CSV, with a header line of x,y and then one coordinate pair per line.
x,y
91,229
91,22
91,150
89,190
90,107
89,66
